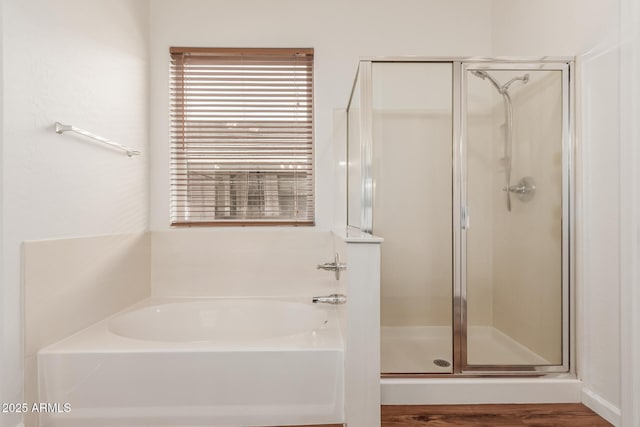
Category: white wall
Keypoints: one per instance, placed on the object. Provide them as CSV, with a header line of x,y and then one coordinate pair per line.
x,y
340,32
82,63
259,262
548,27
5,391
599,277
630,210
588,29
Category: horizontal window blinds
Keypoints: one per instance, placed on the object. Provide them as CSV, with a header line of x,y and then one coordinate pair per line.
x,y
241,136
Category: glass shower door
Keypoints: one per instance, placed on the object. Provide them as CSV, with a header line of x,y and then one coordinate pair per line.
x,y
411,163
514,197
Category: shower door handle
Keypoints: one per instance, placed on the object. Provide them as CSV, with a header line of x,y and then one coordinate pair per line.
x,y
464,217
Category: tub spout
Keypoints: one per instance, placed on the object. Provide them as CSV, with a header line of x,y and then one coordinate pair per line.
x,y
330,299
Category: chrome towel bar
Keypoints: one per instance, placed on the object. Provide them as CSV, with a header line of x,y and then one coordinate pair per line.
x,y
60,128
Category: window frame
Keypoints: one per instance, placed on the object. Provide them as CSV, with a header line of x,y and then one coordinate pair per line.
x,y
179,219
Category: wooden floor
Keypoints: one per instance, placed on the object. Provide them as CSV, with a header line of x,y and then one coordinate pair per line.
x,y
565,415
546,415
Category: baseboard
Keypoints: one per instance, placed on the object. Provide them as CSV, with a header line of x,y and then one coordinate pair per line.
x,y
601,406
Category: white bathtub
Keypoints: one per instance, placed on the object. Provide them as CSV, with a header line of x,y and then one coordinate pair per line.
x,y
214,362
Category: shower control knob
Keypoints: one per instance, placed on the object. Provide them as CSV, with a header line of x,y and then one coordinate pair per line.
x,y
525,189
518,189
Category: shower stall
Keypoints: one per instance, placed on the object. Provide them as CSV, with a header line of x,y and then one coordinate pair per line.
x,y
464,167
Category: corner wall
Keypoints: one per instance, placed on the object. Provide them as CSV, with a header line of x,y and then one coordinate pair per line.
x,y
80,63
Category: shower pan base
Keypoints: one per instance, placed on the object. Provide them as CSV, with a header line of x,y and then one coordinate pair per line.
x,y
413,349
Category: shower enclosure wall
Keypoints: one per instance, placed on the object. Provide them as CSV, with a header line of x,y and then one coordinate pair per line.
x,y
464,167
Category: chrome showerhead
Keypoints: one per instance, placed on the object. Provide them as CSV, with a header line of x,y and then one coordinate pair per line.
x,y
501,88
484,75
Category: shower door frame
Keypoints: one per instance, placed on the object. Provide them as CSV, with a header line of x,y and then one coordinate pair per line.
x,y
460,336
459,208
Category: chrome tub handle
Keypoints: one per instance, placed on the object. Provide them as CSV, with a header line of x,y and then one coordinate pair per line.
x,y
336,266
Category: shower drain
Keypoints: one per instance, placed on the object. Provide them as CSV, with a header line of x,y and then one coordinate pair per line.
x,y
442,363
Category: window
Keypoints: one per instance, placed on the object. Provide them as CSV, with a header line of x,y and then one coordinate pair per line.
x,y
241,136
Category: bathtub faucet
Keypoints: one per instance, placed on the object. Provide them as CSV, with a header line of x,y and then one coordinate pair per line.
x,y
331,299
